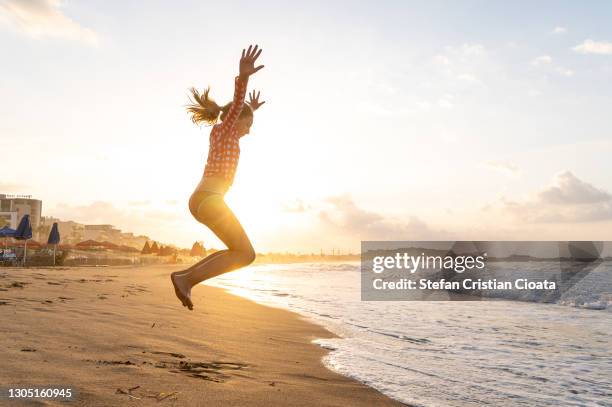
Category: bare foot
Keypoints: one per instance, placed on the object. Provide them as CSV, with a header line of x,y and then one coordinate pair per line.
x,y
182,289
179,295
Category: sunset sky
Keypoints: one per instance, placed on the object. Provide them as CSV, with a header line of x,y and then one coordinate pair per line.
x,y
384,120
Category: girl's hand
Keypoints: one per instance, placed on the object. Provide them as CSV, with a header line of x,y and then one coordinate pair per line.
x,y
247,61
254,100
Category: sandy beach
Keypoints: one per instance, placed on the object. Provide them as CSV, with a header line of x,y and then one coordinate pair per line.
x,y
118,335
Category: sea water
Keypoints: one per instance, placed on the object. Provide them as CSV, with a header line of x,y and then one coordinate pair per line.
x,y
498,352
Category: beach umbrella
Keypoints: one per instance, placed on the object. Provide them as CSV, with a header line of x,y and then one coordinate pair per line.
x,y
5,233
54,239
24,232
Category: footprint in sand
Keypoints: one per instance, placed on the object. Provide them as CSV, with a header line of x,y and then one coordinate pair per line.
x,y
174,355
136,289
17,284
113,362
215,371
212,371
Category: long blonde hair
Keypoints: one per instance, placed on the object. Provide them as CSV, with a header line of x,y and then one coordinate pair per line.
x,y
204,109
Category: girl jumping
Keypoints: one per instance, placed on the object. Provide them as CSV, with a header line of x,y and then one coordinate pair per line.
x,y
206,203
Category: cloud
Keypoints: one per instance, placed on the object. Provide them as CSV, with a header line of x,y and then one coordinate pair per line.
x,y
44,18
472,49
541,60
453,55
567,189
456,70
503,166
567,199
565,71
559,30
590,46
545,60
345,218
296,205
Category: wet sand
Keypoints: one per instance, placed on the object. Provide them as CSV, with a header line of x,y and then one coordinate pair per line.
x,y
119,335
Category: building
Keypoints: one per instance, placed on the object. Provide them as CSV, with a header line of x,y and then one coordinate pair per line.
x,y
109,233
13,207
70,232
73,232
101,233
9,219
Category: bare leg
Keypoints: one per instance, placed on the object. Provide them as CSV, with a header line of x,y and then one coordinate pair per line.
x,y
182,289
214,213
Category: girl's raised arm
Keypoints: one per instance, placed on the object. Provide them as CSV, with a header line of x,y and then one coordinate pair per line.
x,y
247,68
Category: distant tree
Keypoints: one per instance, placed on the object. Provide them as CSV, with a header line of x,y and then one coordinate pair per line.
x,y
146,249
167,250
197,250
155,248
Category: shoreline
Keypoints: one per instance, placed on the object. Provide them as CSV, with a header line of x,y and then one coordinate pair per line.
x,y
107,330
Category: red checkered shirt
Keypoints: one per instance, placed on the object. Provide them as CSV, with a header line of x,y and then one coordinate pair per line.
x,y
224,149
